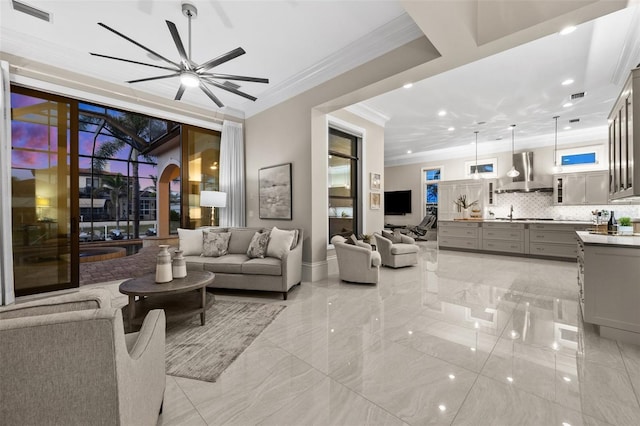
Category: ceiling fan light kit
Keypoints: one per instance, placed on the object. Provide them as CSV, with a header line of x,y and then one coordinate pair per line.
x,y
513,172
191,74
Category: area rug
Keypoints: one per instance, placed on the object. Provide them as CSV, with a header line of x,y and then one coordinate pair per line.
x,y
204,352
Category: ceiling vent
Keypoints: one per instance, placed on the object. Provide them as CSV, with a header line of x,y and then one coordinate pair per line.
x,y
577,95
574,120
30,10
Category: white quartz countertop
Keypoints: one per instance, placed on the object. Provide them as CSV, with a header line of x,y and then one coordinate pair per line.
x,y
610,240
546,222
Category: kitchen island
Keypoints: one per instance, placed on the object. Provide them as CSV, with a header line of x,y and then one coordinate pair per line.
x,y
609,284
553,239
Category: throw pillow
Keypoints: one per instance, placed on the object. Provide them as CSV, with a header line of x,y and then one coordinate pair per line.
x,y
190,241
258,245
216,244
391,236
294,243
354,239
279,242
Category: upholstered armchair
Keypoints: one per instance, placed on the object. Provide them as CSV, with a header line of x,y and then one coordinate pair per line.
x,y
356,263
396,250
66,360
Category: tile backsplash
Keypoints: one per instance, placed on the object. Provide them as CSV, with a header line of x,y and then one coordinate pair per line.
x,y
540,205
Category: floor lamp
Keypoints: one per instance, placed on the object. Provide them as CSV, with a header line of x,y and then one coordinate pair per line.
x,y
213,199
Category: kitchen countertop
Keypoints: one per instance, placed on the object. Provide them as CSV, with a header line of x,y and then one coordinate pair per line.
x,y
542,221
610,240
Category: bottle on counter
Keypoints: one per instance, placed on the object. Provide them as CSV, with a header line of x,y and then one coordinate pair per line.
x,y
613,223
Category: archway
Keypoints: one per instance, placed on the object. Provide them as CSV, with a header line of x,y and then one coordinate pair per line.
x,y
169,173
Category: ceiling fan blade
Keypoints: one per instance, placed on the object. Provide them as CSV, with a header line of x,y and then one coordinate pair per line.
x,y
140,80
236,77
210,94
180,92
230,89
137,44
178,41
133,62
221,59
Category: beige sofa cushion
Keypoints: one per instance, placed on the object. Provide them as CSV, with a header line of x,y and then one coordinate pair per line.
x,y
401,248
265,266
240,239
229,264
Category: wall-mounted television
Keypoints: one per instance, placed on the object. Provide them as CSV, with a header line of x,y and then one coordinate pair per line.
x,y
397,202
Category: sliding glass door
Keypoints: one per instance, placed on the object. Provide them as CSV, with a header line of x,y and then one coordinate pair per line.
x,y
44,229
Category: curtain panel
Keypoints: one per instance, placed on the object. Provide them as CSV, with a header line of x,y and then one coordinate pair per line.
x,y
232,174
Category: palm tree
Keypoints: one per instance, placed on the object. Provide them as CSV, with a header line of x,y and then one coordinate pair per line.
x,y
132,130
117,186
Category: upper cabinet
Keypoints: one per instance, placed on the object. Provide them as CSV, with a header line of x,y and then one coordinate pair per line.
x,y
449,191
624,143
572,189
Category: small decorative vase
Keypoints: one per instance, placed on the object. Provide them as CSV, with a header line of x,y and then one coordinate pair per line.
x,y
163,265
465,213
179,265
625,230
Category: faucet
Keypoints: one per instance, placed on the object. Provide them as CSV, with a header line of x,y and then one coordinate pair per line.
x,y
511,213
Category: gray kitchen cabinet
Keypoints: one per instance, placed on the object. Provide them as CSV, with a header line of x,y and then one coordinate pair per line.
x,y
624,141
506,237
554,240
609,287
584,188
465,235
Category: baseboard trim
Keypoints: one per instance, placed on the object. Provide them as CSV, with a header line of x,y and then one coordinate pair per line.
x,y
314,271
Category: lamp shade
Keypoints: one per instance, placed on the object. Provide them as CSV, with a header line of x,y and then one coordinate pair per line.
x,y
213,199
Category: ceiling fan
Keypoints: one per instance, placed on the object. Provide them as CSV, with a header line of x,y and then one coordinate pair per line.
x,y
191,74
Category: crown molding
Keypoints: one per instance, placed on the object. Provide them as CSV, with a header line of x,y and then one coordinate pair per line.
x,y
384,39
368,113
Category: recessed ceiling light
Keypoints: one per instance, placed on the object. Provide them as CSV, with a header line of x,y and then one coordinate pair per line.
x,y
568,30
442,113
567,82
566,379
408,85
452,376
451,129
567,105
442,407
567,127
409,152
510,379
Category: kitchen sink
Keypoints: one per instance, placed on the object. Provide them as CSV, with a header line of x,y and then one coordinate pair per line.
x,y
521,219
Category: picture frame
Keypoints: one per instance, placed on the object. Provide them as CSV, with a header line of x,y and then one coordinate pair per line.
x,y
375,181
374,200
275,192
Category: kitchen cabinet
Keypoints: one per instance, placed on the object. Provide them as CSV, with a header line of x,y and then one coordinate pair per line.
x,y
608,271
624,141
507,237
489,192
585,188
465,235
449,191
554,240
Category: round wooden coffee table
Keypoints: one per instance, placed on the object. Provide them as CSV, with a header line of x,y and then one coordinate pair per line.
x,y
181,298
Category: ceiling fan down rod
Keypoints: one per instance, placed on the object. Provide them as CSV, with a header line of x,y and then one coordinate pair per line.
x,y
190,11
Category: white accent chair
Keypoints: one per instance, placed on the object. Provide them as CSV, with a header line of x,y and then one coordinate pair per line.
x,y
399,253
66,360
356,263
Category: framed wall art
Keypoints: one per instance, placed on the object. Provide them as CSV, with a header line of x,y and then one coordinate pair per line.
x,y
375,181
275,192
374,200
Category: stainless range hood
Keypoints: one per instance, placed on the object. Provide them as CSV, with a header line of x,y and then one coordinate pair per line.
x,y
523,162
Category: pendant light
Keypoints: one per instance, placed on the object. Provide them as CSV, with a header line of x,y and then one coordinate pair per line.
x,y
556,167
513,172
476,175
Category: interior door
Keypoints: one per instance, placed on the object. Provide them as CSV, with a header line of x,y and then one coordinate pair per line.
x,y
45,248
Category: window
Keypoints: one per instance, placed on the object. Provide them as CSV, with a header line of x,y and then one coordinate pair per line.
x,y
431,177
343,183
586,158
487,168
582,158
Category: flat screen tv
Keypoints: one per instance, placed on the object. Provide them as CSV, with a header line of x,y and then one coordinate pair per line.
x,y
397,202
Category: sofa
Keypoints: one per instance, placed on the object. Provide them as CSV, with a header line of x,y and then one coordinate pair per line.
x,y
67,361
277,269
357,262
396,250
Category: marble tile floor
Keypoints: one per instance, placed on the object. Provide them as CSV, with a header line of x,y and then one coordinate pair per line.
x,y
459,339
